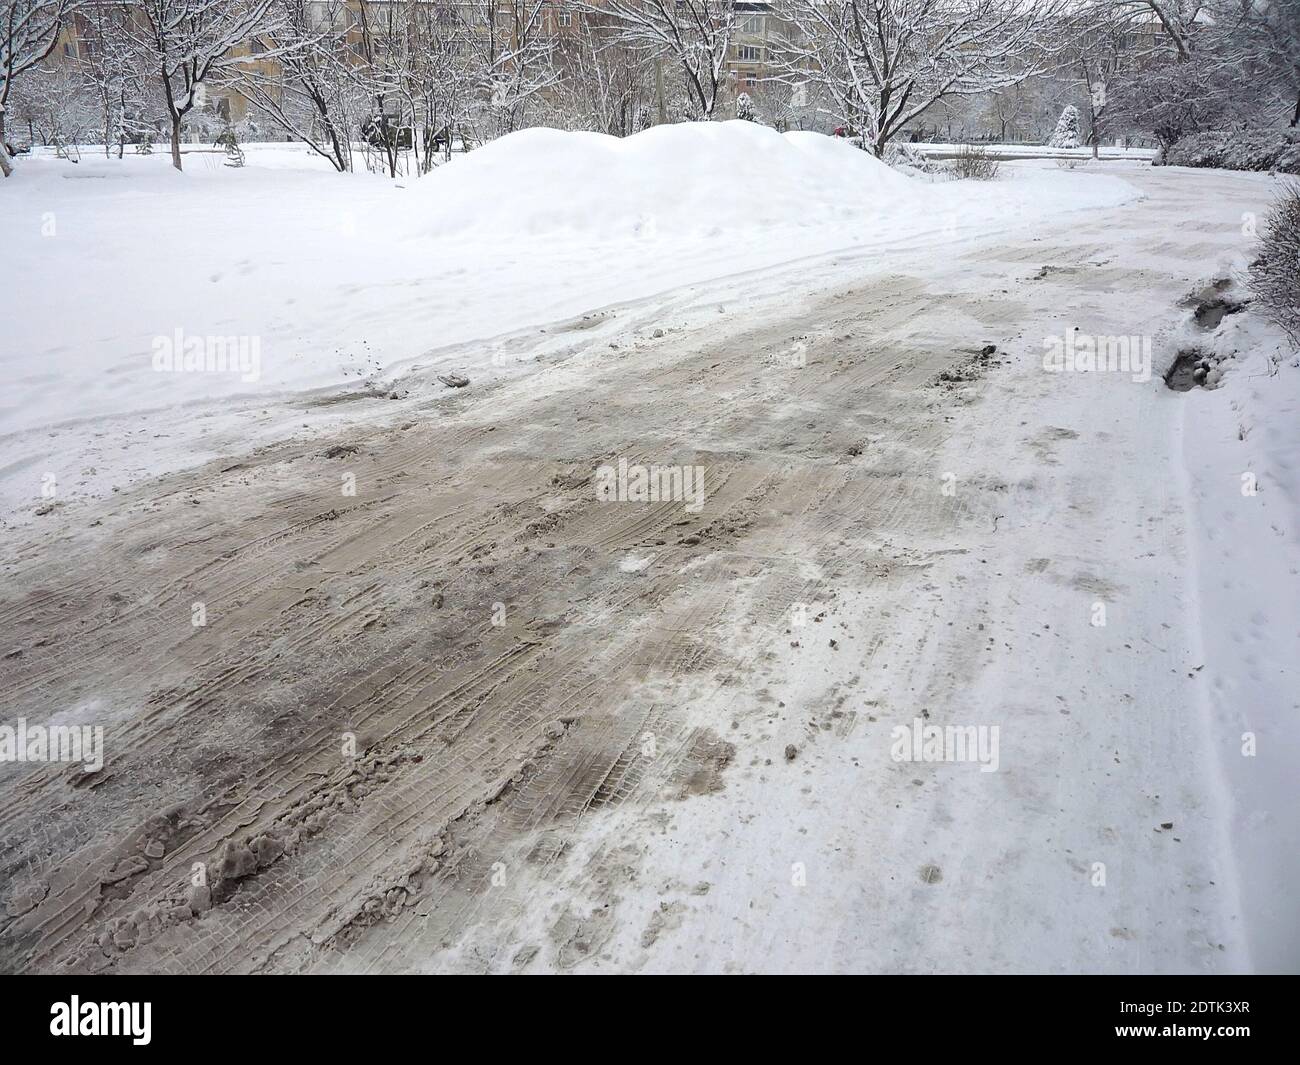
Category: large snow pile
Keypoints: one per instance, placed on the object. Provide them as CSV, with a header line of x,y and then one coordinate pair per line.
x,y
697,178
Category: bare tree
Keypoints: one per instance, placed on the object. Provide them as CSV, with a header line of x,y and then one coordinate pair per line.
x,y
1197,65
777,103
884,63
311,92
440,83
58,106
1177,19
188,42
604,84
419,68
382,71
1266,34
29,32
1100,48
110,65
514,53
693,35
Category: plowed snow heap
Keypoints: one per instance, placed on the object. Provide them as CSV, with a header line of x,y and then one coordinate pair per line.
x,y
691,179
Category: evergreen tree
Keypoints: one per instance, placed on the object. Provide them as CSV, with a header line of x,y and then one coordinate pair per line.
x,y
1066,134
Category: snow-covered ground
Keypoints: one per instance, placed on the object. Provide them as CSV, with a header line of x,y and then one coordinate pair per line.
x,y
883,546
1241,446
337,279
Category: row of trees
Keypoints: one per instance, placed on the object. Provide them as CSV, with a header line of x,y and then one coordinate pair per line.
x,y
1212,64
1160,68
322,70
414,75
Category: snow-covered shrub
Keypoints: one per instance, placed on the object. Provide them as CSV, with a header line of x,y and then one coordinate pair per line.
x,y
1275,274
1276,150
1066,134
228,141
975,163
911,161
745,107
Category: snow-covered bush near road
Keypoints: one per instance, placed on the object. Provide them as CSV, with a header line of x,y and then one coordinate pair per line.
x,y
975,164
915,163
1066,134
1276,150
1275,274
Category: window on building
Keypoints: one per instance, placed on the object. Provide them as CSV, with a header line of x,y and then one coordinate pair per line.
x,y
564,18
748,53
752,25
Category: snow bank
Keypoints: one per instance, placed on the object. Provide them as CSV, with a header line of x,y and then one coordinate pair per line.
x,y
690,179
1242,450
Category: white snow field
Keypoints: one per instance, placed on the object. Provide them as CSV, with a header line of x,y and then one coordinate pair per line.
x,y
676,754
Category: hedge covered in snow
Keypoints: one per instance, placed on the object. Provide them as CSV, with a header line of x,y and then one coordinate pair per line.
x,y
1257,149
1275,274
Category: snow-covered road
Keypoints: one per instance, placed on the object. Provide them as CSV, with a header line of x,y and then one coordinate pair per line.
x,y
327,279
614,735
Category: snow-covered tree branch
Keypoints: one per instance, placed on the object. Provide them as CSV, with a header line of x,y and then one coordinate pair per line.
x,y
693,35
29,32
310,93
188,42
884,63
514,54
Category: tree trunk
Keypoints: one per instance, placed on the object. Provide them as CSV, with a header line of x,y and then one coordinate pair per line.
x,y
341,159
1295,119
6,168
176,141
